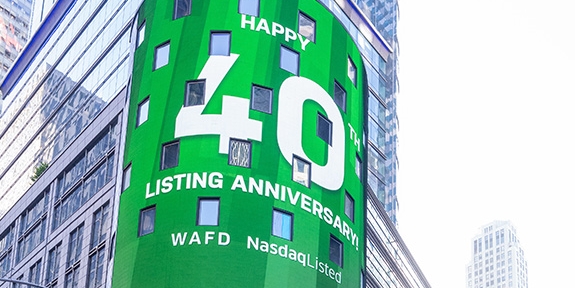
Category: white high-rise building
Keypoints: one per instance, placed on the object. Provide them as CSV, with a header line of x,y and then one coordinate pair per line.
x,y
497,258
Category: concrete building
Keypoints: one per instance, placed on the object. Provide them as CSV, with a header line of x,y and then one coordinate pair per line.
x,y
497,258
65,118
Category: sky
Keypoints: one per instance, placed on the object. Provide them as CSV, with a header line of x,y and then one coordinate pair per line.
x,y
486,132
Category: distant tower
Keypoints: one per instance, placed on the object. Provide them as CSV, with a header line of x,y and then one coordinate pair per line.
x,y
497,258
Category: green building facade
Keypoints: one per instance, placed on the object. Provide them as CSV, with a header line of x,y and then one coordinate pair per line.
x,y
244,158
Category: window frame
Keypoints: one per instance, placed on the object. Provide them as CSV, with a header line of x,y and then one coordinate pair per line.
x,y
291,223
350,64
299,26
139,121
156,50
298,158
142,213
127,177
230,152
320,118
336,86
349,199
141,34
333,239
199,211
229,44
163,166
257,14
176,16
190,82
271,98
289,50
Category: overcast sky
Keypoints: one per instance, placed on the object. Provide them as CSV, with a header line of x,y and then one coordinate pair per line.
x,y
487,124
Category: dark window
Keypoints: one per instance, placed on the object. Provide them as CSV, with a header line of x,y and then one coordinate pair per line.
x,y
289,60
182,8
147,221
339,96
262,99
306,27
170,155
282,224
349,206
240,153
249,7
162,55
220,43
208,211
324,128
335,251
195,93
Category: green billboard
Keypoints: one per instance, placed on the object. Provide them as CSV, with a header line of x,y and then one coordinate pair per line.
x,y
244,154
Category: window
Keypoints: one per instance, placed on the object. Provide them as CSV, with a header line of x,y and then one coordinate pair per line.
x,y
96,268
127,177
195,93
35,272
262,99
339,96
143,108
147,221
351,71
75,245
358,167
72,278
99,227
324,128
336,251
282,224
249,7
306,27
220,43
289,60
141,33
182,8
300,171
53,264
208,212
240,153
162,55
170,155
349,206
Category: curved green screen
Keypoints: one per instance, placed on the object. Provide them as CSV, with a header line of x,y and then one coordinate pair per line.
x,y
244,152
